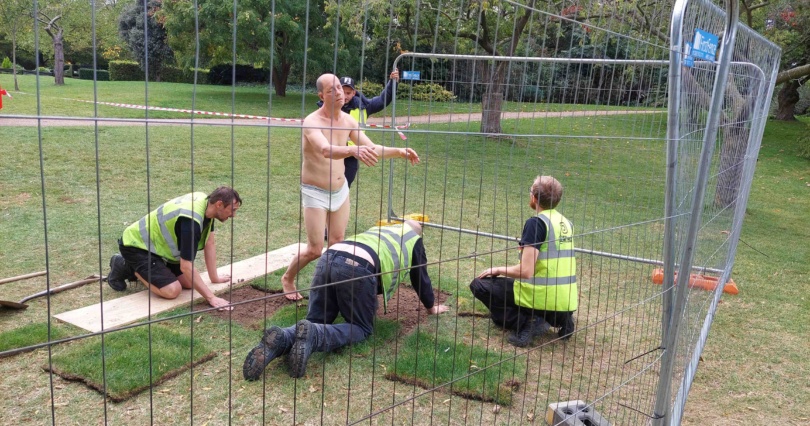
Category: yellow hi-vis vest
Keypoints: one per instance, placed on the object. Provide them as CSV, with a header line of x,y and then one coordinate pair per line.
x,y
394,247
361,116
554,286
155,231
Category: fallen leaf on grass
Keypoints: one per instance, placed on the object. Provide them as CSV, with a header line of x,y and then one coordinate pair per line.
x,y
199,318
496,409
282,409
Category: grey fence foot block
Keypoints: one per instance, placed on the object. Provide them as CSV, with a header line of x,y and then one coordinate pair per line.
x,y
574,413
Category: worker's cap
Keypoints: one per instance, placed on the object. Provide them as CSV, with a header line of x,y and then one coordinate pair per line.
x,y
347,81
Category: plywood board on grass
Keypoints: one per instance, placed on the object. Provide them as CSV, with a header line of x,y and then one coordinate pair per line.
x,y
141,305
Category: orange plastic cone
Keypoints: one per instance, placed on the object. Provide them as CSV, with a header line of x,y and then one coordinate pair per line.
x,y
698,281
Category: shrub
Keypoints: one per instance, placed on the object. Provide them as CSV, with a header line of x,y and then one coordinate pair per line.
x,y
222,74
179,75
369,88
431,92
87,74
125,71
6,63
43,70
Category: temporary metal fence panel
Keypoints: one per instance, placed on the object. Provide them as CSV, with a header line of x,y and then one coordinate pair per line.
x,y
655,149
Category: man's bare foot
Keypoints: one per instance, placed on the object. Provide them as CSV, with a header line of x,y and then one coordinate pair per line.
x,y
290,292
218,302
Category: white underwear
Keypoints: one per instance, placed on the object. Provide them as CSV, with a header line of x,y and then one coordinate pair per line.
x,y
319,198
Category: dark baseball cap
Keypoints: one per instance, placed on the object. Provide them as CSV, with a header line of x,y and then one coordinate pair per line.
x,y
347,81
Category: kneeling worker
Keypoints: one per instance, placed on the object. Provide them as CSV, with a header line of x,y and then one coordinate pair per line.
x,y
362,266
160,248
541,291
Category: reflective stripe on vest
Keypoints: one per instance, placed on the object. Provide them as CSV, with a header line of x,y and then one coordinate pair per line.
x,y
395,259
155,231
361,120
554,285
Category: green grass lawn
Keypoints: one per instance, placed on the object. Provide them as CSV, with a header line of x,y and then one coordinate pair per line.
x,y
96,183
251,100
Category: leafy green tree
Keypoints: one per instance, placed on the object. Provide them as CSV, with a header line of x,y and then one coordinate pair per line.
x,y
145,36
12,22
788,25
272,34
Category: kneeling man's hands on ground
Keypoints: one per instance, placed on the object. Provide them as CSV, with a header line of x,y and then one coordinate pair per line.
x,y
218,302
438,309
220,278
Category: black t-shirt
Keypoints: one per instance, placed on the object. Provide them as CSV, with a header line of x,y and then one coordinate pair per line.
x,y
534,233
189,234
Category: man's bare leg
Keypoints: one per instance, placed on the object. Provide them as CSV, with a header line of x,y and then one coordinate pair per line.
x,y
314,222
337,222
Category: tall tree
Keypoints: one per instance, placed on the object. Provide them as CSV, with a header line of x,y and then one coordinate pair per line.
x,y
145,36
788,24
52,27
12,20
270,33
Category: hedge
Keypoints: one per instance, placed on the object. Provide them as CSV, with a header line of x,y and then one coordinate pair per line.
x,y
179,75
425,92
125,71
369,88
223,73
87,74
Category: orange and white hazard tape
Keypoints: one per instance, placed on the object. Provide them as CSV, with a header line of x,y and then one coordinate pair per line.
x,y
230,115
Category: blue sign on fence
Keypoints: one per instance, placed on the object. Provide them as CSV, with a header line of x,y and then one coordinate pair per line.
x,y
704,45
688,60
411,75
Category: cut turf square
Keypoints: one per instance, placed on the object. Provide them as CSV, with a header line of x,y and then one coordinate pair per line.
x,y
127,360
425,360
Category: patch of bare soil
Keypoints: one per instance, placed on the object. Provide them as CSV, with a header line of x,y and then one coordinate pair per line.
x,y
404,307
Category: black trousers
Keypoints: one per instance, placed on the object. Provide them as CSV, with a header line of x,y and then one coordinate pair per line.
x,y
498,294
352,165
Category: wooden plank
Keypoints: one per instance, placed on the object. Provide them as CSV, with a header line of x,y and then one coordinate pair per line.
x,y
134,307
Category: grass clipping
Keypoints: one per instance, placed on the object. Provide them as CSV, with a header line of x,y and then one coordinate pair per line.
x,y
469,372
127,360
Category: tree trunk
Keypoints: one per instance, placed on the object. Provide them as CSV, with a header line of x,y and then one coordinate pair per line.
x,y
58,59
492,101
787,99
280,78
735,132
14,59
491,106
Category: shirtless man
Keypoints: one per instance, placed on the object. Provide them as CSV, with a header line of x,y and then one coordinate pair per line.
x,y
324,192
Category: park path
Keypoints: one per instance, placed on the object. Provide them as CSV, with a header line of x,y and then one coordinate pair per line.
x,y
414,119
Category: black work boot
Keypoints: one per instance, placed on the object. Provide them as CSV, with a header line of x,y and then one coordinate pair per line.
x,y
302,348
524,336
119,273
274,343
537,326
567,330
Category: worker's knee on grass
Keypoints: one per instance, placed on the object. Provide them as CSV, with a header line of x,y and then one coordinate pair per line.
x,y
170,291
